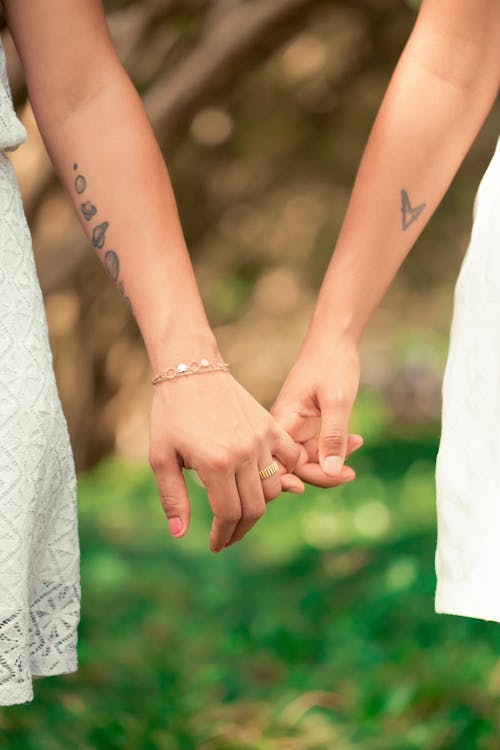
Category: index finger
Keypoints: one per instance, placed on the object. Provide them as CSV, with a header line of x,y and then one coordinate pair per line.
x,y
312,473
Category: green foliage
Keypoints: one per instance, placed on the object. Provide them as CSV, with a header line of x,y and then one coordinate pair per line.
x,y
316,632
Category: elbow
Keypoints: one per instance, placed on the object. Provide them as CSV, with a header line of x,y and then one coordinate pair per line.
x,y
458,43
465,65
55,98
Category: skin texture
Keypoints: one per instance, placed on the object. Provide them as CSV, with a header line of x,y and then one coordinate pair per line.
x,y
442,89
81,98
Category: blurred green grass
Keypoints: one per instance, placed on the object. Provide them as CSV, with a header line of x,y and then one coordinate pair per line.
x,y
317,632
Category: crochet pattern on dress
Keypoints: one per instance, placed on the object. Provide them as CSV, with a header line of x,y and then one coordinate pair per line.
x,y
39,546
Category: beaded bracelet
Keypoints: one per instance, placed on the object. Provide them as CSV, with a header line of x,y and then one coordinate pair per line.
x,y
194,368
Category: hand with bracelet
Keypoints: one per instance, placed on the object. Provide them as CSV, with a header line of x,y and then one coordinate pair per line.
x,y
230,473
203,419
103,148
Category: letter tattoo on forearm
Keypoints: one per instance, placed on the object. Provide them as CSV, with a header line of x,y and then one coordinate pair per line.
x,y
111,259
409,213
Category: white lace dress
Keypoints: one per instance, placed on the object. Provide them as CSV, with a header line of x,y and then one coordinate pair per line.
x,y
39,549
468,460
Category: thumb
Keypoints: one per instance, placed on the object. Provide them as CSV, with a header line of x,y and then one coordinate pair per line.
x,y
332,437
174,496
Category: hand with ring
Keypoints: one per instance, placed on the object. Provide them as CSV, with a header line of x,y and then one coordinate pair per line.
x,y
211,424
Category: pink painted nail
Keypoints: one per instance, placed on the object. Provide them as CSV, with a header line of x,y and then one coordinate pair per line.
x,y
175,525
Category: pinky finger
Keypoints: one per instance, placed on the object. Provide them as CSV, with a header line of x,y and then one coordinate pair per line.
x,y
292,483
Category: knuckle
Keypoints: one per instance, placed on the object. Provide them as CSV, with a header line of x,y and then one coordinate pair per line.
x,y
220,459
156,460
254,514
265,433
230,517
245,452
336,400
171,504
334,439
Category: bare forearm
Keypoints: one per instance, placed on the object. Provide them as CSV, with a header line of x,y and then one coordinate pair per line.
x,y
107,156
432,111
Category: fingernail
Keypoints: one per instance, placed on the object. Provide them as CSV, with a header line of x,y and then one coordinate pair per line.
x,y
333,465
175,525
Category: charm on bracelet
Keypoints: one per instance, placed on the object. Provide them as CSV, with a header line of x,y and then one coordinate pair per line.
x,y
195,367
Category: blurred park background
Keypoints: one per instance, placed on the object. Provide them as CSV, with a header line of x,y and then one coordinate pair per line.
x,y
318,632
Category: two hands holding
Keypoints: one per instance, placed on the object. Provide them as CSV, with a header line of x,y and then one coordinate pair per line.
x,y
439,95
213,425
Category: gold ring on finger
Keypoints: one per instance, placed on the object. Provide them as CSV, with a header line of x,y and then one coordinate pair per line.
x,y
269,471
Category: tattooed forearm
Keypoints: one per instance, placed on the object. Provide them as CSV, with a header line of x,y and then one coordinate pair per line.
x,y
111,259
409,213
99,235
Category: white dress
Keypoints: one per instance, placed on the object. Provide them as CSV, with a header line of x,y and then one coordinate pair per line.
x,y
39,548
468,460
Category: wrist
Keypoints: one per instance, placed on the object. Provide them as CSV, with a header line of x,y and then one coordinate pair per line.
x,y
340,313
182,342
328,332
